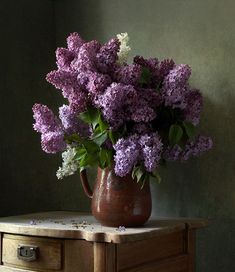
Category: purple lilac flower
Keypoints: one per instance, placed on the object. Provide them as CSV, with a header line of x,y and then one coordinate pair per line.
x,y
77,97
62,79
71,89
140,111
127,155
52,138
107,55
177,77
165,66
70,121
175,97
192,149
173,153
174,86
196,147
151,146
115,103
152,65
144,108
141,128
85,60
74,42
33,222
151,96
135,149
53,142
64,57
94,82
121,228
45,119
128,74
193,107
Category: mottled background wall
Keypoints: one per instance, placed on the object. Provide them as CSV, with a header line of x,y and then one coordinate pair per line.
x,y
198,32
26,48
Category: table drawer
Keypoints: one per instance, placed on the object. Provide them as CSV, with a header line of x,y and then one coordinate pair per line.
x,y
35,253
140,252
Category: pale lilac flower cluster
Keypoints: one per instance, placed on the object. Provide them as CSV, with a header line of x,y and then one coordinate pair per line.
x,y
145,97
137,149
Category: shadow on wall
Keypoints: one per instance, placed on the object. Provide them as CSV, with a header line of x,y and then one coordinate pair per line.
x,y
69,17
80,16
205,186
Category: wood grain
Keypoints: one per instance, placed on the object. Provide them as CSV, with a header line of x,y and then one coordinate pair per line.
x,y
49,252
99,257
111,257
61,225
191,249
72,242
78,254
176,264
11,269
140,252
105,257
0,248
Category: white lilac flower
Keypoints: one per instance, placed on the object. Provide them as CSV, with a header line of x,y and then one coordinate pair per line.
x,y
124,47
69,165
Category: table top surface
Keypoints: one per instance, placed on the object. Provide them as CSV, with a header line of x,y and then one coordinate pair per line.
x,y
76,225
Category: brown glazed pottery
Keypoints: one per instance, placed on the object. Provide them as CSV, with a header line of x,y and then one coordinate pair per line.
x,y
118,201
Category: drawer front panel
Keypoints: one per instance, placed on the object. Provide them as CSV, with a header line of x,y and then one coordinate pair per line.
x,y
31,252
176,264
159,247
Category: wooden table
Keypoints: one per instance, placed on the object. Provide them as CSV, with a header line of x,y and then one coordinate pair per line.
x,y
76,242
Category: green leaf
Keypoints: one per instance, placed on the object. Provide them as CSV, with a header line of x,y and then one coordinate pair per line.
x,y
138,173
102,124
99,137
88,160
90,146
113,136
190,129
133,174
72,138
175,134
81,152
145,76
156,175
105,157
91,116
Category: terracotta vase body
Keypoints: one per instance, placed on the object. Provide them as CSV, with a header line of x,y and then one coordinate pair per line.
x,y
118,201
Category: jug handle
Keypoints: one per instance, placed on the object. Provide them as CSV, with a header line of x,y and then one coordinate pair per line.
x,y
85,184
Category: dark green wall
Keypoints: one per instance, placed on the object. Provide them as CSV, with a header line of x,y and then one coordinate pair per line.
x,y
27,44
27,180
200,33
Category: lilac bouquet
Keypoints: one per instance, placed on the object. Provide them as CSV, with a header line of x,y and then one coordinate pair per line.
x,y
133,117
